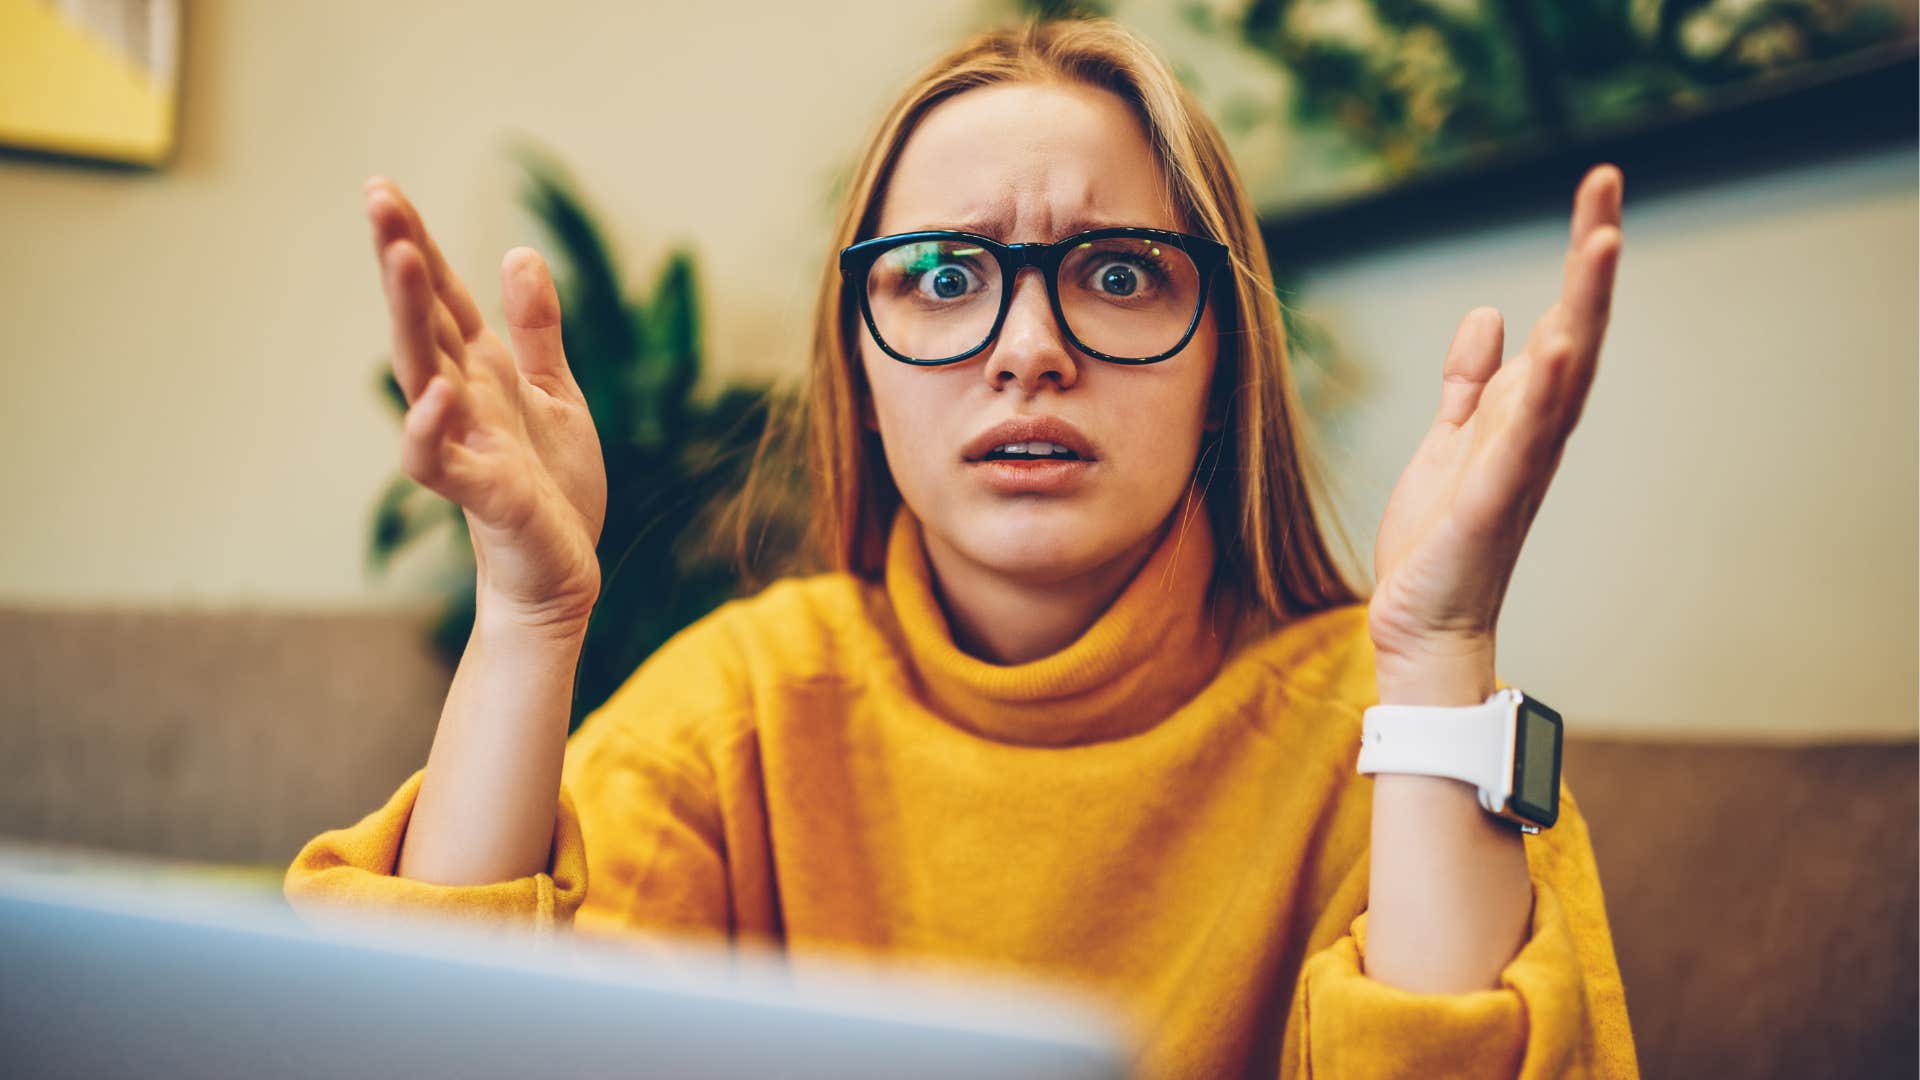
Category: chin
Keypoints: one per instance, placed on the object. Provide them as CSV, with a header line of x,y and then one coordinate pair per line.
x,y
1044,539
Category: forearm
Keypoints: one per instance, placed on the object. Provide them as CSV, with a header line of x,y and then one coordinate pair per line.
x,y
485,811
1449,898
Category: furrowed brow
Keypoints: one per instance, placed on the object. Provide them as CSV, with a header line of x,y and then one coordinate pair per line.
x,y
994,227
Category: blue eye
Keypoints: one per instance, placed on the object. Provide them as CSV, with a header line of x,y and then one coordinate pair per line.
x,y
949,282
945,281
1119,280
1129,275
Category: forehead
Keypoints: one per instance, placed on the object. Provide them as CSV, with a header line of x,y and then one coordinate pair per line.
x,y
1027,162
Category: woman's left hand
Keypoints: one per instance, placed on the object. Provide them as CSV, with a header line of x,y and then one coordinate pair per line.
x,y
1454,524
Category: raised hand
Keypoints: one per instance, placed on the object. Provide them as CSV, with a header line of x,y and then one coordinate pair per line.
x,y
505,433
1453,527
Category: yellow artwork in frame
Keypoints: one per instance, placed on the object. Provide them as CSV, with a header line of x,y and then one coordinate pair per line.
x,y
90,78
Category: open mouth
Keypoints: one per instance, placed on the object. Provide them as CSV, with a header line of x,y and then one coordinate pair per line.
x,y
1031,451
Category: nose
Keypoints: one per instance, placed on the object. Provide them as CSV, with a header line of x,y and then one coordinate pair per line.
x,y
1031,349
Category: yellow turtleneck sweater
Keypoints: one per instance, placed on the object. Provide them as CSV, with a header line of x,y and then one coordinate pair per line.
x,y
1156,814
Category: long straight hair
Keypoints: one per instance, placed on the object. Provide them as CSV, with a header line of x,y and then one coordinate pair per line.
x,y
1256,473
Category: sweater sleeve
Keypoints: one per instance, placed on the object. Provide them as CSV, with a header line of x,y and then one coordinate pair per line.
x,y
637,803
1559,1009
351,870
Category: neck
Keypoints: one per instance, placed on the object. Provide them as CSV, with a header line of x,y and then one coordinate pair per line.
x,y
1009,620
1104,655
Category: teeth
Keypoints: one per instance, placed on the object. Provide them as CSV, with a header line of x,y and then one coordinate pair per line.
x,y
1033,449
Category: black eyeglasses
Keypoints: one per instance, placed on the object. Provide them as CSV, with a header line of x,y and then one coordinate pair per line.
x,y
1124,295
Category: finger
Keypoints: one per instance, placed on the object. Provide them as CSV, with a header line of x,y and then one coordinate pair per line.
x,y
533,319
447,335
416,359
1564,351
1551,322
1558,363
1543,420
1581,311
1589,306
440,416
1518,446
389,221
453,292
1596,202
391,226
1472,359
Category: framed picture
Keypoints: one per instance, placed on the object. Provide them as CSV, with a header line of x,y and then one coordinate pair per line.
x,y
1389,91
1384,117
90,78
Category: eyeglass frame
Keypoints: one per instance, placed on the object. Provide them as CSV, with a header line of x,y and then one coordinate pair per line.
x,y
857,260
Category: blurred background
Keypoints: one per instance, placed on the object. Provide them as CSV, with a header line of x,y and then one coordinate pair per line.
x,y
226,620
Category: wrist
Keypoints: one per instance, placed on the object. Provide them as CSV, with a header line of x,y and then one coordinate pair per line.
x,y
562,623
1449,674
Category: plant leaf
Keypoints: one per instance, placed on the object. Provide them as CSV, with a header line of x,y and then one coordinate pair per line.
x,y
674,340
390,388
595,326
399,517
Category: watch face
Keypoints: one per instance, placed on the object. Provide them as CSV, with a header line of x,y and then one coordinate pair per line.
x,y
1536,763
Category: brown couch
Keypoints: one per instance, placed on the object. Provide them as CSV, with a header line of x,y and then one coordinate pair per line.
x,y
1763,898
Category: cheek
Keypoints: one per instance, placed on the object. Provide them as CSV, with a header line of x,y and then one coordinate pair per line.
x,y
1171,420
892,401
889,398
905,405
868,394
1163,431
1155,416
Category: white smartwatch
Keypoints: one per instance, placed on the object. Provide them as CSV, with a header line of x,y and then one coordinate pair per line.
x,y
1508,747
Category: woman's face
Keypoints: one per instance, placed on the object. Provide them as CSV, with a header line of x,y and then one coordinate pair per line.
x,y
1035,163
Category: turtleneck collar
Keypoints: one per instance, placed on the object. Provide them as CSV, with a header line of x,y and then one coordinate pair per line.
x,y
1154,648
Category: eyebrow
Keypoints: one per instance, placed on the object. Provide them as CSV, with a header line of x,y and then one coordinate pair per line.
x,y
995,228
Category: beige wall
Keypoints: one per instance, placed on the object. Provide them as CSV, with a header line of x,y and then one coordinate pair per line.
x,y
188,420
189,354
1730,543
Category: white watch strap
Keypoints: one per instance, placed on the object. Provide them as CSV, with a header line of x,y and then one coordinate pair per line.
x,y
1473,743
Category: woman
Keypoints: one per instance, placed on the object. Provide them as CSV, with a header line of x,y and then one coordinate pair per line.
x,y
1083,691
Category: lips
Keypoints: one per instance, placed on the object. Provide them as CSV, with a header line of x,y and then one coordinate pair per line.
x,y
1030,429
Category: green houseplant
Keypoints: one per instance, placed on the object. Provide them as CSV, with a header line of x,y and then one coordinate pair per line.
x,y
673,459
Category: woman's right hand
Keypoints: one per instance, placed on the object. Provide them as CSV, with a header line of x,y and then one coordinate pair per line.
x,y
505,433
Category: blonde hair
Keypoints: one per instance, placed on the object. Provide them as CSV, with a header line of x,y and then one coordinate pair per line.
x,y
1265,522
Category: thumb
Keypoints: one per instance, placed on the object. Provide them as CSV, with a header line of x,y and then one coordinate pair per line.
x,y
533,319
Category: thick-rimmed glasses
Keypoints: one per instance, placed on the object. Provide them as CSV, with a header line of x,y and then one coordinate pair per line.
x,y
1124,295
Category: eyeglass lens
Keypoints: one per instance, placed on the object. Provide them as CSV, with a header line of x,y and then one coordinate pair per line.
x,y
1127,297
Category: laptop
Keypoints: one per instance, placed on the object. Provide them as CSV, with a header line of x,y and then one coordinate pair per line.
x,y
105,976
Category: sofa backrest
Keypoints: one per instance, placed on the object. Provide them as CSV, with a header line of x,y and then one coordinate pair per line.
x,y
1763,898
1764,902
